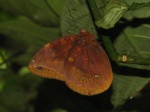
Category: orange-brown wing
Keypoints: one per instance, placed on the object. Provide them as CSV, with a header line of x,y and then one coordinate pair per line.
x,y
88,68
49,61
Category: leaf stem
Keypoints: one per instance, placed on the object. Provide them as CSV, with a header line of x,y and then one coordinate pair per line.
x,y
94,9
113,54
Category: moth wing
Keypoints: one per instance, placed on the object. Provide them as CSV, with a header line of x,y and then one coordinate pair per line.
x,y
90,71
49,61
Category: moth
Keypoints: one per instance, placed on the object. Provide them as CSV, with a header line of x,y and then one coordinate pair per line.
x,y
78,60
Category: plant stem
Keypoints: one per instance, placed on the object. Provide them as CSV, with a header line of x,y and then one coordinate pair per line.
x,y
113,54
94,9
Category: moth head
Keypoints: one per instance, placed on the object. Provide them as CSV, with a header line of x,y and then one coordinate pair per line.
x,y
35,67
38,66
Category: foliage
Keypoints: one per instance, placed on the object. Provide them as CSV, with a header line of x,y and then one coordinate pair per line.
x,y
26,25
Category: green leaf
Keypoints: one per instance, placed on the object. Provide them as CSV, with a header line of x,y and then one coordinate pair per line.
x,y
134,41
3,57
135,6
37,11
126,87
59,110
114,10
24,30
23,71
76,16
18,92
4,16
28,36
56,5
